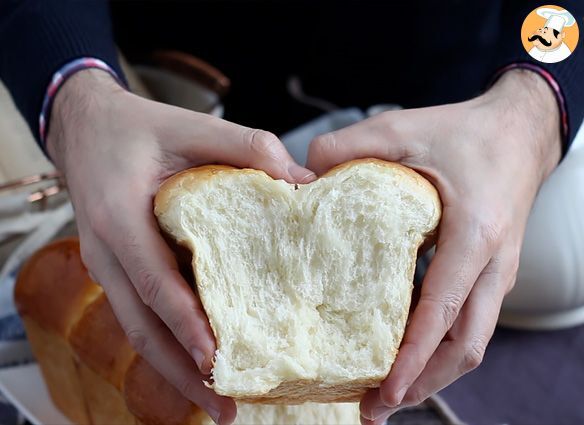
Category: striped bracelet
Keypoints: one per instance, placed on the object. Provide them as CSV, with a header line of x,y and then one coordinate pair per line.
x,y
59,78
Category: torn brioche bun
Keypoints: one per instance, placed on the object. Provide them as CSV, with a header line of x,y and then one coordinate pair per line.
x,y
307,287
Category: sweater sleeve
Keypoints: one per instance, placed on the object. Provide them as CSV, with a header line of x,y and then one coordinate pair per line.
x,y
565,77
38,37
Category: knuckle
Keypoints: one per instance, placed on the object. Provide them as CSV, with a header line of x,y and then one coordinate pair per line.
x,y
473,354
512,275
510,287
488,229
187,386
505,266
99,219
324,143
448,306
137,340
508,270
387,118
263,142
514,259
510,283
179,326
389,125
415,396
149,285
387,397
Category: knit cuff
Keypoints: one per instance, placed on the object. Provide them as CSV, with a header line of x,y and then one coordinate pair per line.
x,y
551,81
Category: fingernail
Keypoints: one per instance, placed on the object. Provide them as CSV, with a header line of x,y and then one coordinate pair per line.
x,y
300,174
401,394
214,413
199,358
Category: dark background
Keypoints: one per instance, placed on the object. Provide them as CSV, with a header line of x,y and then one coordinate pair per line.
x,y
350,53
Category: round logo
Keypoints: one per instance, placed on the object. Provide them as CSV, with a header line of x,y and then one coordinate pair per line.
x,y
549,34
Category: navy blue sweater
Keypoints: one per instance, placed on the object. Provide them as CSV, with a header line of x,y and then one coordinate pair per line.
x,y
351,53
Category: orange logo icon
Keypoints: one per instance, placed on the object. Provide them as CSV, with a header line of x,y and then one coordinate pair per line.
x,y
549,34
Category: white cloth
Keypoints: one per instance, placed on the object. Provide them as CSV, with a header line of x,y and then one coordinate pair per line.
x,y
551,56
549,292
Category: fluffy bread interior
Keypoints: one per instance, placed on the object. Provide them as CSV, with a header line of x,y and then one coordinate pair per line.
x,y
309,283
303,414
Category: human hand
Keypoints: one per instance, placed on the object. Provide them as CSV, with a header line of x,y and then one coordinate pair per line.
x,y
487,157
115,149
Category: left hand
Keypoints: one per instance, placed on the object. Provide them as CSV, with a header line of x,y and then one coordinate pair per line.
x,y
487,157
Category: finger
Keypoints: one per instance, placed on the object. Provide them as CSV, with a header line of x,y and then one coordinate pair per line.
x,y
465,351
152,268
458,354
229,143
371,406
461,255
152,340
385,136
379,421
469,336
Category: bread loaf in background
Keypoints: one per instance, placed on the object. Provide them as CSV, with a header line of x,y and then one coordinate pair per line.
x,y
94,376
92,373
307,287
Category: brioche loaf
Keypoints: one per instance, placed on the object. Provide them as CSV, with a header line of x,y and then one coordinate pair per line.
x,y
93,375
307,287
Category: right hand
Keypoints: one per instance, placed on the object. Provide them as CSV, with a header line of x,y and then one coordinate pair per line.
x,y
115,148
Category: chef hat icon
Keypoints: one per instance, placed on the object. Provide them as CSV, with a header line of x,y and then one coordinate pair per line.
x,y
556,19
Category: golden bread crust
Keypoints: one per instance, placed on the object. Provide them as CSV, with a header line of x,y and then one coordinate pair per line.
x,y
302,391
193,177
53,287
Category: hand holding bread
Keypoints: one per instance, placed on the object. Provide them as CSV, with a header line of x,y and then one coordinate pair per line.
x,y
115,148
487,157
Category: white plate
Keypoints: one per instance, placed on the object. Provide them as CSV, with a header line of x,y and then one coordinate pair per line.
x,y
24,387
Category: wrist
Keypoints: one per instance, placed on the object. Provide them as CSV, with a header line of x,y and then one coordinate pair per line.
x,y
528,112
82,96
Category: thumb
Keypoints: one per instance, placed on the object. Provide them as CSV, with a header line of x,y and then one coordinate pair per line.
x,y
375,137
220,141
264,151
